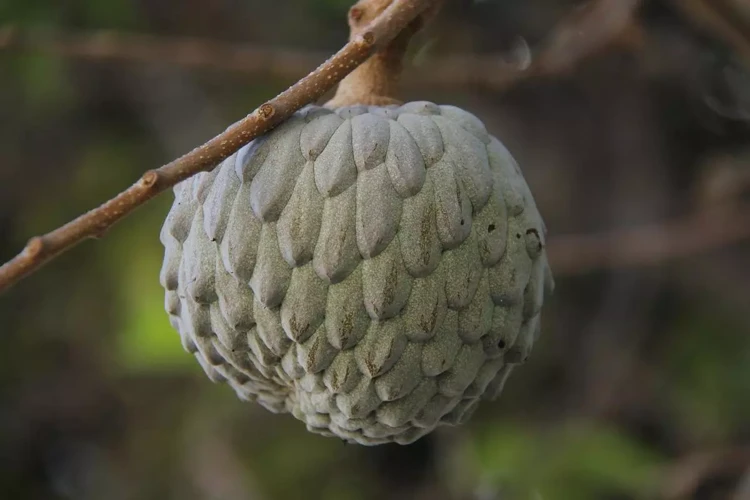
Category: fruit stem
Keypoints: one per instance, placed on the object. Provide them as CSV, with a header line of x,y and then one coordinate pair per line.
x,y
375,82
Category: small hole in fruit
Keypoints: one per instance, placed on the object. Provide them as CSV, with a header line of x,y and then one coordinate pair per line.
x,y
490,228
501,344
518,236
462,222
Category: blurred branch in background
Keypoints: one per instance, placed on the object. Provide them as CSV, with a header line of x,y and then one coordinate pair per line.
x,y
189,52
586,32
684,478
743,490
729,20
720,219
706,230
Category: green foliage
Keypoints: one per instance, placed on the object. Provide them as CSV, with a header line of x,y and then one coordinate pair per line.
x,y
707,370
332,6
146,341
119,14
106,165
580,461
307,458
31,12
91,13
45,82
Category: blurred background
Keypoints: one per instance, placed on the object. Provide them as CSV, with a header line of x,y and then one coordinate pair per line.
x,y
631,121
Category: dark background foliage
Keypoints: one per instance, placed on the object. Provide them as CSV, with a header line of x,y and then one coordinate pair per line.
x,y
638,388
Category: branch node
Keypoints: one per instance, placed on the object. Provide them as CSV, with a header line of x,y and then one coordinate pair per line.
x,y
149,179
7,34
355,14
34,247
267,110
368,38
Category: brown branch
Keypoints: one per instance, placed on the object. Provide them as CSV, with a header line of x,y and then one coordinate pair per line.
x,y
720,18
189,52
377,35
683,478
586,31
488,71
576,38
650,244
375,81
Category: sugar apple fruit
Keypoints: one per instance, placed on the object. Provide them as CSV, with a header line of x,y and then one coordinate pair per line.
x,y
375,271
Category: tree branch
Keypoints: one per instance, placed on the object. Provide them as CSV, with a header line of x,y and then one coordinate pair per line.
x,y
189,52
488,71
576,38
378,34
650,244
684,477
590,29
722,19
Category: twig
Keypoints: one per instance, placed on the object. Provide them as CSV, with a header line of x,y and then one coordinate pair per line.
x,y
683,478
743,488
721,18
489,71
650,244
377,35
190,52
585,32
